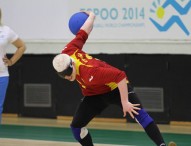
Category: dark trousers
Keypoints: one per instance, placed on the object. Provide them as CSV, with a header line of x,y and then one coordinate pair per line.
x,y
90,106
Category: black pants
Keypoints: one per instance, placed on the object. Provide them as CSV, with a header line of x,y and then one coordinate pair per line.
x,y
90,106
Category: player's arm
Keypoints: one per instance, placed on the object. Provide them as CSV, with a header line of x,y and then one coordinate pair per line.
x,y
106,75
127,106
112,74
82,36
88,25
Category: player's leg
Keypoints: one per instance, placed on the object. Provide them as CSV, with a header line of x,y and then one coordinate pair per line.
x,y
146,121
143,118
3,88
86,111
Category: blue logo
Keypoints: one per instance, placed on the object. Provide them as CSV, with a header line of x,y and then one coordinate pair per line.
x,y
159,10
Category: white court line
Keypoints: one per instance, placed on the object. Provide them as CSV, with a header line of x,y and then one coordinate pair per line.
x,y
27,142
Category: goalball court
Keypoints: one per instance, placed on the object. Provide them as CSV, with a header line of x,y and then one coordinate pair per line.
x,y
36,132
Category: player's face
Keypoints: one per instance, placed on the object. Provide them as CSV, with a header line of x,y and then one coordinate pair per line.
x,y
72,77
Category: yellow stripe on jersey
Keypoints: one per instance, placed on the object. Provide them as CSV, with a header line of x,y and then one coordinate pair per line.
x,y
112,85
81,84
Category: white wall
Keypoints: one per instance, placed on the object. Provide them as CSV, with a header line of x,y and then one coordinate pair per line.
x,y
43,24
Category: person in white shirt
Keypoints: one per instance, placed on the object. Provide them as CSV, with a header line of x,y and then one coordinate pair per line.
x,y
7,37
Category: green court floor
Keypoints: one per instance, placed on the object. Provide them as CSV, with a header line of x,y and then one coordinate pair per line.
x,y
99,136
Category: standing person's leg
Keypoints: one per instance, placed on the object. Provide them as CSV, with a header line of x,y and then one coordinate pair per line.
x,y
86,111
3,88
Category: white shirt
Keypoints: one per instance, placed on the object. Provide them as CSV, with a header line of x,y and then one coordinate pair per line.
x,y
7,37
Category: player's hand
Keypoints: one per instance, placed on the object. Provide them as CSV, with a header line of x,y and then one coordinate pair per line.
x,y
131,109
87,12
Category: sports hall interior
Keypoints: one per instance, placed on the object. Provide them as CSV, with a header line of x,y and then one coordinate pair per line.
x,y
39,104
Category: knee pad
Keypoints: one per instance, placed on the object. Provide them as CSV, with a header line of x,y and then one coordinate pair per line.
x,y
79,133
143,118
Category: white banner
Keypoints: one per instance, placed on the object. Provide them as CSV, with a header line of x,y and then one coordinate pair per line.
x,y
115,19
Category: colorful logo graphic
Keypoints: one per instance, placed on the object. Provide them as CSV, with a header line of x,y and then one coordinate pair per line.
x,y
159,10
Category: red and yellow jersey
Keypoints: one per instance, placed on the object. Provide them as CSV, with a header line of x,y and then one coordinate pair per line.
x,y
93,75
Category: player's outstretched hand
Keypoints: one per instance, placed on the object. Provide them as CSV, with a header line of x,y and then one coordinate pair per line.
x,y
131,109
